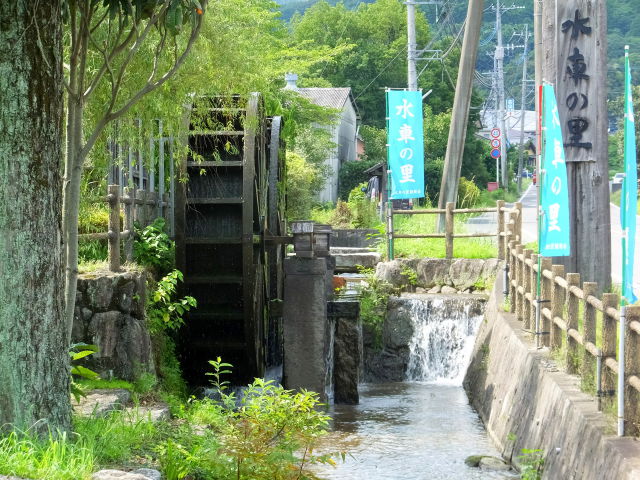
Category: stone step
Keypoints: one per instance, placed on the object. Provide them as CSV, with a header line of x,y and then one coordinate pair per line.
x,y
343,250
349,262
102,401
156,413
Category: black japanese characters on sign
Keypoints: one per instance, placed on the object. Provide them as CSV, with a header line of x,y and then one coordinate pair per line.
x,y
577,26
574,98
577,70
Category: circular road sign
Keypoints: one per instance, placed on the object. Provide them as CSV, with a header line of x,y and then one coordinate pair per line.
x,y
495,132
495,143
495,153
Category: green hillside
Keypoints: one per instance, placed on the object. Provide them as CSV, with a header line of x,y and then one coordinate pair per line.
x,y
623,30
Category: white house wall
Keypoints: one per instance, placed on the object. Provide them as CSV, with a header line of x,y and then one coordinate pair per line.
x,y
344,136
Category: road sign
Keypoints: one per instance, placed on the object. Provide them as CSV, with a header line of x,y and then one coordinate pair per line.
x,y
495,153
495,132
495,143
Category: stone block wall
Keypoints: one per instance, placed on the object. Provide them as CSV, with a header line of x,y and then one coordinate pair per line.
x,y
525,401
441,275
110,314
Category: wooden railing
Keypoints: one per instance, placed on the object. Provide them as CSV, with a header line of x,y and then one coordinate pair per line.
x,y
507,228
138,205
578,326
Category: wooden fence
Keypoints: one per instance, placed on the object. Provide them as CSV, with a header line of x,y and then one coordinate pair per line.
x,y
146,165
138,206
577,326
502,234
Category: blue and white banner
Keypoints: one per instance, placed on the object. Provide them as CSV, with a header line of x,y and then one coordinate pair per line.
x,y
554,228
405,152
629,198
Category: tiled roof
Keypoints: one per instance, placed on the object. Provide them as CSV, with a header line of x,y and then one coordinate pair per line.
x,y
326,97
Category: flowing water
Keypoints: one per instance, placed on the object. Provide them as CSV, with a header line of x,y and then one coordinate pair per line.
x,y
423,428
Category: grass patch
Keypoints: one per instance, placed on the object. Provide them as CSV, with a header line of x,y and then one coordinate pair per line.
x,y
615,199
100,383
94,266
489,199
53,458
435,247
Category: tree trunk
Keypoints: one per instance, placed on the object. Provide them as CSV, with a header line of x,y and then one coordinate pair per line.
x,y
34,365
71,207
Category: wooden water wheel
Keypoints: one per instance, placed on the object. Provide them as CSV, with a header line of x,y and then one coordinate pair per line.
x,y
226,212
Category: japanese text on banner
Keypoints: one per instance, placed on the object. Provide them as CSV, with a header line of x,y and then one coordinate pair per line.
x,y
405,143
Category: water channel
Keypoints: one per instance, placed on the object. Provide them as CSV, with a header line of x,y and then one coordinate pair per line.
x,y
416,429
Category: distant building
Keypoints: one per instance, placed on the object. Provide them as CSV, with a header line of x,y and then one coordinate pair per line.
x,y
344,133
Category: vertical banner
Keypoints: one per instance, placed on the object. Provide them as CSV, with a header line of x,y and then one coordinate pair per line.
x,y
554,228
629,198
405,152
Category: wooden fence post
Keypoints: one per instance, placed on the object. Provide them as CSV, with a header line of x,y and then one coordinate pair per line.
x,y
114,228
518,230
520,281
587,374
526,282
533,286
573,280
632,368
557,305
609,340
449,230
513,270
502,232
129,209
546,295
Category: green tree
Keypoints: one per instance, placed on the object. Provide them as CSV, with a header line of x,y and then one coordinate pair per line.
x,y
302,178
474,160
374,39
104,40
34,365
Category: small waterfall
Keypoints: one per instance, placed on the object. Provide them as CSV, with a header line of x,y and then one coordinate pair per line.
x,y
444,330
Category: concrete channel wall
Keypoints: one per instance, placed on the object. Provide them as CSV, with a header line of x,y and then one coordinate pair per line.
x,y
527,403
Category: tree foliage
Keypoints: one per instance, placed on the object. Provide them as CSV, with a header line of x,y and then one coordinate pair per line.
x,y
374,40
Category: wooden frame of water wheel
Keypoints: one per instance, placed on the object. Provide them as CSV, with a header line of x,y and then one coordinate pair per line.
x,y
226,213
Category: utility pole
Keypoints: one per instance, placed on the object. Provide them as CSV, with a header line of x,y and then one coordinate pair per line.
x,y
523,100
501,103
461,103
412,46
412,75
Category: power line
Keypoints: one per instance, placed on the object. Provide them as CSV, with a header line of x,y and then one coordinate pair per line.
x,y
402,50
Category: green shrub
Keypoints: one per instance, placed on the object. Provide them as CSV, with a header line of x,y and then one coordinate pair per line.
x,y
374,297
269,433
351,175
468,194
301,178
162,310
531,464
153,248
93,218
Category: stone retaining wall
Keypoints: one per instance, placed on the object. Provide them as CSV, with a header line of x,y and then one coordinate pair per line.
x,y
526,402
441,274
110,314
